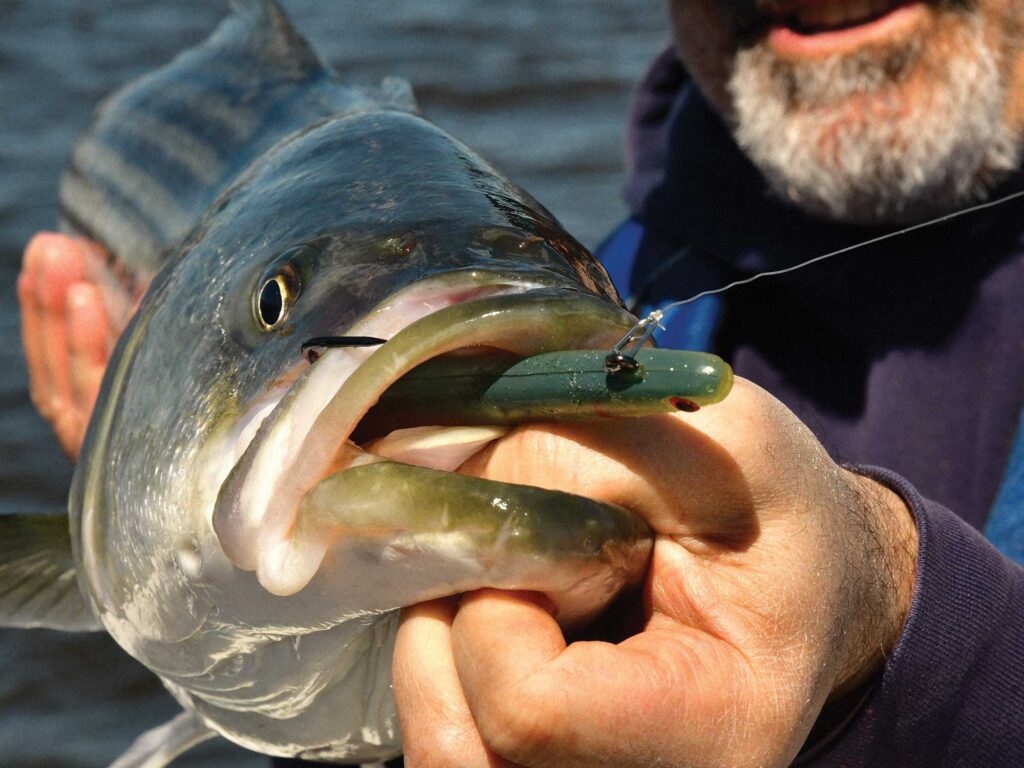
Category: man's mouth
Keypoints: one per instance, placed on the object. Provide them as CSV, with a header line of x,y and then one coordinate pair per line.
x,y
817,29
812,18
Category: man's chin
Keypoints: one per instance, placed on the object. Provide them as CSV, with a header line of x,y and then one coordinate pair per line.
x,y
878,136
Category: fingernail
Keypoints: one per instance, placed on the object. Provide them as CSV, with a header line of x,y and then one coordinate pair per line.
x,y
79,296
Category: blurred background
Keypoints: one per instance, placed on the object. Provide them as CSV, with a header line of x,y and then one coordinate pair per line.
x,y
539,87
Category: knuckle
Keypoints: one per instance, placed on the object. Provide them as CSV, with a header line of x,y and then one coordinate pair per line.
x,y
444,747
34,250
417,755
518,726
38,401
23,286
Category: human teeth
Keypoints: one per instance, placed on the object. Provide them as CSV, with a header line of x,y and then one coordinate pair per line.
x,y
839,14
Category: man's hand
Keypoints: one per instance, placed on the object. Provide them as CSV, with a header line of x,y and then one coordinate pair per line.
x,y
778,581
66,331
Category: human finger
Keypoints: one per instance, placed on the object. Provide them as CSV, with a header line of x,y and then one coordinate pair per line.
x,y
120,294
437,728
34,296
672,693
88,331
672,473
31,333
59,263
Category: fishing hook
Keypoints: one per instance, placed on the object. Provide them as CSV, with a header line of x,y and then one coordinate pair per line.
x,y
622,358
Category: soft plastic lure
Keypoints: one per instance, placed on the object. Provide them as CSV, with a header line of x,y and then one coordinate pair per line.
x,y
573,385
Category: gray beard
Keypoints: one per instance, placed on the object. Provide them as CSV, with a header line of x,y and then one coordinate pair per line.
x,y
897,165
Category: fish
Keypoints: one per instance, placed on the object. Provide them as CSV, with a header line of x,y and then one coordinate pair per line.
x,y
222,525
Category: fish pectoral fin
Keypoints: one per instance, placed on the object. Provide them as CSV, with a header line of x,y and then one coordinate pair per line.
x,y
38,582
158,746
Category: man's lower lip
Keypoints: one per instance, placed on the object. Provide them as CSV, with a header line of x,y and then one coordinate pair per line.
x,y
791,43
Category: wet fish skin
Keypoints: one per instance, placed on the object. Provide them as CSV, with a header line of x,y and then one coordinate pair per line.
x,y
364,205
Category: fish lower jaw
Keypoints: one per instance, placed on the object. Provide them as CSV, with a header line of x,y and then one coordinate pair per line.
x,y
306,438
290,565
287,566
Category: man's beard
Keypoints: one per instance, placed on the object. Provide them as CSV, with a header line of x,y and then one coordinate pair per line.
x,y
890,158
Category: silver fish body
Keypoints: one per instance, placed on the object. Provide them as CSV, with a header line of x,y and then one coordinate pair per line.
x,y
224,530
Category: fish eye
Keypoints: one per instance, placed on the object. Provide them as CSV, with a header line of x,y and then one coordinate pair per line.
x,y
274,298
271,302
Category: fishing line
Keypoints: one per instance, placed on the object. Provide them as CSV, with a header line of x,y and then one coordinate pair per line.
x,y
621,357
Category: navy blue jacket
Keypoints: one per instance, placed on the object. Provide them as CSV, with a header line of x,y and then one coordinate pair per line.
x,y
907,355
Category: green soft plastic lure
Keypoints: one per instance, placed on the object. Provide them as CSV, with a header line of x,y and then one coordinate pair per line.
x,y
572,385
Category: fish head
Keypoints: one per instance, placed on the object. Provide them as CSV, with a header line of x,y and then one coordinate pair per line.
x,y
356,216
377,224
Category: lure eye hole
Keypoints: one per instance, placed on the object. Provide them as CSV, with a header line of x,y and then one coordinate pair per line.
x,y
274,297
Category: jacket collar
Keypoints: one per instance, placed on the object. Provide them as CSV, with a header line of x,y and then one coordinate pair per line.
x,y
689,181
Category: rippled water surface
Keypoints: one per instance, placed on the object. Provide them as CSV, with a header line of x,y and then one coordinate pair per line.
x,y
539,87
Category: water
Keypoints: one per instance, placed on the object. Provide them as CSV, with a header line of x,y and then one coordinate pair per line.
x,y
540,88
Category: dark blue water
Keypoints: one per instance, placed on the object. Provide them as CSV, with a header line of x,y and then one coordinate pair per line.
x,y
538,87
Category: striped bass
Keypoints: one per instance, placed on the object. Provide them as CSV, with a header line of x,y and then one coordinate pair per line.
x,y
223,527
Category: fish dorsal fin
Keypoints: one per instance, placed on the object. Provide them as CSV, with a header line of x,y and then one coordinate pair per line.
x,y
269,37
392,93
38,584
161,149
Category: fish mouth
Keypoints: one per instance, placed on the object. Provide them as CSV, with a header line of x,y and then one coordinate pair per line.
x,y
306,437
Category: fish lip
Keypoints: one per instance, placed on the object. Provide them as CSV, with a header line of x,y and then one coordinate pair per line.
x,y
252,514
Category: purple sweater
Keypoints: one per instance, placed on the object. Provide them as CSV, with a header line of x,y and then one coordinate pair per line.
x,y
907,355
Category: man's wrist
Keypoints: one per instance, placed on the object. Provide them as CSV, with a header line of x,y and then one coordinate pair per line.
x,y
886,570
884,577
